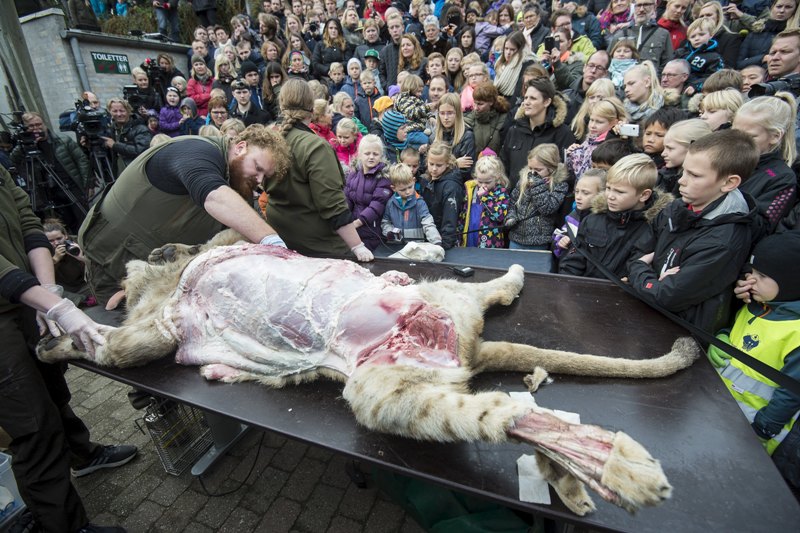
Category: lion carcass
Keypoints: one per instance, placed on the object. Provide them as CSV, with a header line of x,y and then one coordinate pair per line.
x,y
405,352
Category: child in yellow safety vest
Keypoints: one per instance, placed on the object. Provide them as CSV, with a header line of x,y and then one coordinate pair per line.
x,y
768,329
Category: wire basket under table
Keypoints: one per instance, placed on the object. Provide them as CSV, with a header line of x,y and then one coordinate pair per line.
x,y
179,432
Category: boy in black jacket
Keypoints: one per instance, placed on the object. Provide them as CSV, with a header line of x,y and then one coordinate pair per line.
x,y
618,229
703,239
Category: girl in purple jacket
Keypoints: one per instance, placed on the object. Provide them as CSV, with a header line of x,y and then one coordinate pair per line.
x,y
367,190
170,117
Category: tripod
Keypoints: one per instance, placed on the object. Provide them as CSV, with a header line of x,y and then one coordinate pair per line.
x,y
35,167
101,165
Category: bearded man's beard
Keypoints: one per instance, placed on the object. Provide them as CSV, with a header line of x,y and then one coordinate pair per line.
x,y
239,182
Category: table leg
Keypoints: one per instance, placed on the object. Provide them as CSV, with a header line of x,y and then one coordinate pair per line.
x,y
226,432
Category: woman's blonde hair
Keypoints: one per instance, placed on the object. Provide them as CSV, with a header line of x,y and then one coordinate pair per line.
x,y
647,70
209,130
548,154
603,87
232,124
717,7
236,62
625,43
729,100
453,100
223,60
492,165
442,149
320,109
338,100
777,115
416,58
686,132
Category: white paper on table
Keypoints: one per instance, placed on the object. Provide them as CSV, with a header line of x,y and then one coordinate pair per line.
x,y
532,486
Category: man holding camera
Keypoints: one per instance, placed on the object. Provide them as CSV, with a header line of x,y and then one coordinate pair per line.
x,y
68,161
126,138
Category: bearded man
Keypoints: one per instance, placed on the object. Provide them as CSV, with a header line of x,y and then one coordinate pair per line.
x,y
184,191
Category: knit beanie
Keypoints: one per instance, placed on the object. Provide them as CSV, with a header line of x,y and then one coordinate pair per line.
x,y
353,60
248,66
391,122
197,58
777,256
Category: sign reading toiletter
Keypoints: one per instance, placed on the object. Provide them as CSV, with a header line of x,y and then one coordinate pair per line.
x,y
110,63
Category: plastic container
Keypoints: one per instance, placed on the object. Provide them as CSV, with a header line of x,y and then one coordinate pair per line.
x,y
10,502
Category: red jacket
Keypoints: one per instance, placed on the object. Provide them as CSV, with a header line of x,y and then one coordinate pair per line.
x,y
677,31
200,93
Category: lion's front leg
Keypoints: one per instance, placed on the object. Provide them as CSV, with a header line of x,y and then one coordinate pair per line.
x,y
172,252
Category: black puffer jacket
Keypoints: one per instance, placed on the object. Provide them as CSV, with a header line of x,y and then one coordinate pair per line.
x,y
130,140
710,248
69,155
324,55
465,147
520,138
613,238
756,45
773,185
445,197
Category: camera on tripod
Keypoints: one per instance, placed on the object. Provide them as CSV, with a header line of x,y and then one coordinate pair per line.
x,y
20,136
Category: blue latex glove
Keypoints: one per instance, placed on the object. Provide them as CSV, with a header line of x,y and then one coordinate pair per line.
x,y
719,358
273,240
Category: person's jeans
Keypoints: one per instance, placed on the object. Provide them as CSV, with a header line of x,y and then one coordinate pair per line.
x,y
169,17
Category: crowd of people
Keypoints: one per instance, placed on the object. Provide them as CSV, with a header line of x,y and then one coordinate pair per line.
x,y
653,142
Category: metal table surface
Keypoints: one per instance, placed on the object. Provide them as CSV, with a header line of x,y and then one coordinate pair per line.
x,y
722,478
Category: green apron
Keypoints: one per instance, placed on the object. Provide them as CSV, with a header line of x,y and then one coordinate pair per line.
x,y
133,217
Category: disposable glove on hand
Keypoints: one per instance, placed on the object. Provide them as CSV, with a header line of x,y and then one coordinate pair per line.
x,y
273,240
362,253
718,357
46,325
85,332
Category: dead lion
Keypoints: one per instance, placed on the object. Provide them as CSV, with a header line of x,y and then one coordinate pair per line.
x,y
404,351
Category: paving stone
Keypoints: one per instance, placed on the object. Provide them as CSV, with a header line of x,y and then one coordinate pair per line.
x,y
340,524
182,512
130,496
173,486
100,497
280,517
319,453
385,517
240,521
216,510
145,515
303,480
319,509
335,473
196,527
265,489
253,464
289,456
357,503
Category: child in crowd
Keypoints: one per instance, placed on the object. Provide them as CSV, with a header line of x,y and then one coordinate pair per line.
x,y
372,60
179,82
397,137
536,198
590,184
348,139
618,228
598,90
411,158
604,117
152,122
434,68
368,189
676,145
365,99
231,128
443,191
768,329
190,121
170,115
702,240
643,92
485,206
654,128
719,108
344,107
407,216
702,53
298,65
380,107
352,82
770,121
411,105
624,55
608,153
336,75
